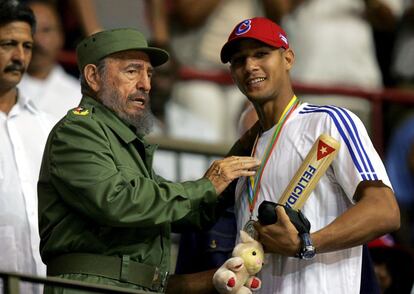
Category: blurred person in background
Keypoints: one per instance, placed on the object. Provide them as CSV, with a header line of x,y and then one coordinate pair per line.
x,y
175,121
393,264
148,16
400,166
23,132
197,35
403,58
334,43
46,82
402,70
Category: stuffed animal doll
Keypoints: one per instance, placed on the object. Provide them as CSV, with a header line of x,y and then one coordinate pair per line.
x,y
236,275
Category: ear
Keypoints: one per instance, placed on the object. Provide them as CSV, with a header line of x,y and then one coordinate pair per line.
x,y
289,57
245,238
233,77
92,77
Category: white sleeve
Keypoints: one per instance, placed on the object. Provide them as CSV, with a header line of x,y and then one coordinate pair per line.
x,y
357,159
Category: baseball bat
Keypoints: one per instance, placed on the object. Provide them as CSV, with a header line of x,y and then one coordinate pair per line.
x,y
307,176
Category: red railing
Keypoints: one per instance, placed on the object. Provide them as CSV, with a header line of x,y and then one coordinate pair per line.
x,y
377,98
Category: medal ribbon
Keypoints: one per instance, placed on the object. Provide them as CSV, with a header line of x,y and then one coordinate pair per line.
x,y
253,183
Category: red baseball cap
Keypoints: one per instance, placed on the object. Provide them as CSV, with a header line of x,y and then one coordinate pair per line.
x,y
258,28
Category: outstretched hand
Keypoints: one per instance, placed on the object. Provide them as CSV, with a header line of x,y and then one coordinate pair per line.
x,y
281,237
222,172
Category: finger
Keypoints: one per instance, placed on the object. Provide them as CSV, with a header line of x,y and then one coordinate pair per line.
x,y
241,173
246,164
283,218
235,159
258,227
240,169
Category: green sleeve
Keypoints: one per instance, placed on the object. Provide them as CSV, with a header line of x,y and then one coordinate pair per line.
x,y
87,175
203,219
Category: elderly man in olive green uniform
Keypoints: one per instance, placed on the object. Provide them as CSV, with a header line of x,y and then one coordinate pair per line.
x,y
105,216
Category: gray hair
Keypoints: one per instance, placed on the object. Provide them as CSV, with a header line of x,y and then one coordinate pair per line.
x,y
85,89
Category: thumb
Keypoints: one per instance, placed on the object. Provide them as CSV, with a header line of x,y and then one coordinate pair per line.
x,y
282,216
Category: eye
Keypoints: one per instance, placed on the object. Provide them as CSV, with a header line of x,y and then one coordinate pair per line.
x,y
28,46
237,61
261,54
7,44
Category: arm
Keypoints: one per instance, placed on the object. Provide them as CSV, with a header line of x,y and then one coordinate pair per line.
x,y
197,283
158,18
375,213
379,15
87,15
197,15
100,183
276,9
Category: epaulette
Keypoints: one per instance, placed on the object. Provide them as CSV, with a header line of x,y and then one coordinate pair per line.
x,y
80,111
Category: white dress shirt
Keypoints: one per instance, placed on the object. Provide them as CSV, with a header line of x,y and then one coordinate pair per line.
x,y
23,134
55,95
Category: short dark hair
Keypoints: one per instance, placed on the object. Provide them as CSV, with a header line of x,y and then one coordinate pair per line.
x,y
13,10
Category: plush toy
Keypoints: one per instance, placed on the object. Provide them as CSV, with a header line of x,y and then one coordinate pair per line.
x,y
236,275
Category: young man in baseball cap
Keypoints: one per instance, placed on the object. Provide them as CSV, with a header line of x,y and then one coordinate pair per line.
x,y
352,203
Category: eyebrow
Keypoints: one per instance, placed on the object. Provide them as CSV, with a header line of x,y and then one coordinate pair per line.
x,y
136,65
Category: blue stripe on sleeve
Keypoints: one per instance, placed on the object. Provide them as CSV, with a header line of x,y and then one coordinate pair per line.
x,y
350,129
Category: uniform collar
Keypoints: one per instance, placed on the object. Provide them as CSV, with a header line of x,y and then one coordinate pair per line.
x,y
124,131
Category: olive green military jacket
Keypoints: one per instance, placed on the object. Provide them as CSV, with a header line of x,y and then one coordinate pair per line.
x,y
99,194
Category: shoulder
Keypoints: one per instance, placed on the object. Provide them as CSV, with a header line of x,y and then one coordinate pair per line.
x,y
80,118
78,129
80,113
329,114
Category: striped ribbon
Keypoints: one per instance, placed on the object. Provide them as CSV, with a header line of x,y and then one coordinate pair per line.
x,y
253,182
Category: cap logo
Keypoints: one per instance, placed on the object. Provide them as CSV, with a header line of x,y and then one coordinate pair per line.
x,y
283,38
243,27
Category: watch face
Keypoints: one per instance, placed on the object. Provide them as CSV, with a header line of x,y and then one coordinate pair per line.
x,y
308,252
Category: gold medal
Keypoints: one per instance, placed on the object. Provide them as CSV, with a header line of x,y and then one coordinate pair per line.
x,y
250,230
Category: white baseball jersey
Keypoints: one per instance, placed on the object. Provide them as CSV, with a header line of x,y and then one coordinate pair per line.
x,y
356,161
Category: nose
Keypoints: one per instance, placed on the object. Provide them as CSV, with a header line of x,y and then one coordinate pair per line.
x,y
251,64
144,83
18,53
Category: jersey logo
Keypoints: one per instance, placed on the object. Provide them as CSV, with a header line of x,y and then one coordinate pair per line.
x,y
244,27
80,111
323,150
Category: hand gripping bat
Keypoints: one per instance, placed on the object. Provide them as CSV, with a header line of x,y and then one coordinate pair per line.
x,y
302,184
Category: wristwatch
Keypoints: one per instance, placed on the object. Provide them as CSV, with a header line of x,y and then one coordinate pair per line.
x,y
308,250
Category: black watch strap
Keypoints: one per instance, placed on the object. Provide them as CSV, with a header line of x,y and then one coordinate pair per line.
x,y
307,250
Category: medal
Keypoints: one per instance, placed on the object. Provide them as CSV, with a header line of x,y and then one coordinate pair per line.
x,y
250,230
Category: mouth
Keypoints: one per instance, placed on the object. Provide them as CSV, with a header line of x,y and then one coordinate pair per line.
x,y
255,81
14,69
139,102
